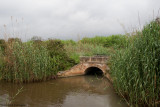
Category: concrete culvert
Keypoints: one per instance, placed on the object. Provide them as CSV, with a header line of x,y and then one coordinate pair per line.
x,y
93,71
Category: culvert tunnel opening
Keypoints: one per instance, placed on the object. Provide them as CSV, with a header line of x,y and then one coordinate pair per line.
x,y
93,71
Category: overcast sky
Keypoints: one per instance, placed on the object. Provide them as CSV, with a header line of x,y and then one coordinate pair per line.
x,y
73,19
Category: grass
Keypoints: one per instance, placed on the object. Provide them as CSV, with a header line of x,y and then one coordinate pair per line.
x,y
107,41
85,49
99,45
136,69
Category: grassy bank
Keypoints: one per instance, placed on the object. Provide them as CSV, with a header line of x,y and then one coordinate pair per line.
x,y
98,45
136,69
85,49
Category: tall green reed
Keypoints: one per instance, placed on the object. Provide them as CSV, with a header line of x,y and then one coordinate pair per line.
x,y
25,63
34,60
136,69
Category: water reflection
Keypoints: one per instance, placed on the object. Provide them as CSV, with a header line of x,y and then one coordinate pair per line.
x,y
80,91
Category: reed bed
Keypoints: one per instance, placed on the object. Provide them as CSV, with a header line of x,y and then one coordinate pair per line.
x,y
136,69
25,63
32,61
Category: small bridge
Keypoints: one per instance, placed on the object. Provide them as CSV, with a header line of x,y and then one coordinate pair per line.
x,y
88,66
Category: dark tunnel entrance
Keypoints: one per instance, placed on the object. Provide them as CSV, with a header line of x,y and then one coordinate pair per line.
x,y
93,71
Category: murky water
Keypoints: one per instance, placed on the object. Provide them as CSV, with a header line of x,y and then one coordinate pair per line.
x,y
79,91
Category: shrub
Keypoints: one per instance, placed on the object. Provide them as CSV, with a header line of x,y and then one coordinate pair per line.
x,y
98,40
116,40
11,40
68,42
119,41
58,55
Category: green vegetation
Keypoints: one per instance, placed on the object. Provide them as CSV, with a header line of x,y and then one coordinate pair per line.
x,y
81,49
38,60
98,40
32,61
24,63
109,41
99,45
58,55
136,69
135,61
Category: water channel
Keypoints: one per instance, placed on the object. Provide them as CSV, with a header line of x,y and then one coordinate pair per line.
x,y
79,91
